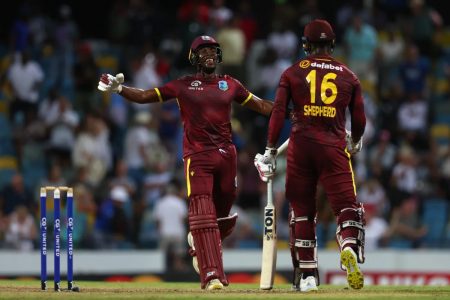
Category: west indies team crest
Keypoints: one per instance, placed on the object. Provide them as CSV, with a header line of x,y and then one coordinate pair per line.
x,y
223,85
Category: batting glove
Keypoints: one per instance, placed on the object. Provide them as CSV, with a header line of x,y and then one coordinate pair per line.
x,y
352,147
109,83
266,163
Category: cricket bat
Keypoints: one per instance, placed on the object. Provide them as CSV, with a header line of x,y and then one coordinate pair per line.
x,y
269,251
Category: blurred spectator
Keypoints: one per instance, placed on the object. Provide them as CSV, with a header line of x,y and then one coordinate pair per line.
x,y
139,140
21,231
414,71
118,27
271,68
388,105
143,21
121,178
54,177
404,176
66,35
371,193
114,219
376,227
84,216
192,21
247,22
159,174
170,214
405,229
39,27
345,13
92,149
413,121
20,31
381,157
390,54
219,14
284,41
170,47
422,24
24,75
85,70
307,10
118,111
232,41
146,77
361,44
15,194
194,10
61,121
444,169
170,126
85,210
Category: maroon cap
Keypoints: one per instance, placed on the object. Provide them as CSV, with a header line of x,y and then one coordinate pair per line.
x,y
203,40
319,31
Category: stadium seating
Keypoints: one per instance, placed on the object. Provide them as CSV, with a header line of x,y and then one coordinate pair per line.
x,y
8,167
435,217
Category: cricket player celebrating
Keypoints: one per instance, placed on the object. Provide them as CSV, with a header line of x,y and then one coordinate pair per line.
x,y
205,101
320,150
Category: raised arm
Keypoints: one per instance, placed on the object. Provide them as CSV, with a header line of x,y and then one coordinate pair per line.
x,y
109,83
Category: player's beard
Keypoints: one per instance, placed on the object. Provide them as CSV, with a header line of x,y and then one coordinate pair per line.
x,y
208,67
208,70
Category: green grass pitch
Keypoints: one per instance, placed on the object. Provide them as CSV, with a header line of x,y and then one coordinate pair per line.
x,y
21,289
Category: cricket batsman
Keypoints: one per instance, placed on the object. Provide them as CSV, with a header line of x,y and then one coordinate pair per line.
x,y
320,151
205,100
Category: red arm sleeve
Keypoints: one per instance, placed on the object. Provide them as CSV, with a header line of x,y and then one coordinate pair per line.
x,y
167,91
242,95
358,116
282,98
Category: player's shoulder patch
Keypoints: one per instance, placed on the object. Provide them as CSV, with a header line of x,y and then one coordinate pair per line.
x,y
223,85
305,63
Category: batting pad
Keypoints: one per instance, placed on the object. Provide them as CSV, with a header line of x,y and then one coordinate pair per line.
x,y
208,246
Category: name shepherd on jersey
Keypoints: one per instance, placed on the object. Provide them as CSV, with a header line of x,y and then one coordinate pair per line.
x,y
319,110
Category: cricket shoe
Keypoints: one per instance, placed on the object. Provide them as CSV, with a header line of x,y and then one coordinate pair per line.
x,y
308,284
190,239
349,262
214,284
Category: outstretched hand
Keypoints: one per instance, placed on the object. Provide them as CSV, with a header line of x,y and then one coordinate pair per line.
x,y
110,83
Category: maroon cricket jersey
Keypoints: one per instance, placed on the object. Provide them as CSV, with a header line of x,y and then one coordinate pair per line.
x,y
205,105
320,88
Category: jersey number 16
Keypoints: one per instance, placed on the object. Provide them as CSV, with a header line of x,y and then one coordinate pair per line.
x,y
327,84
